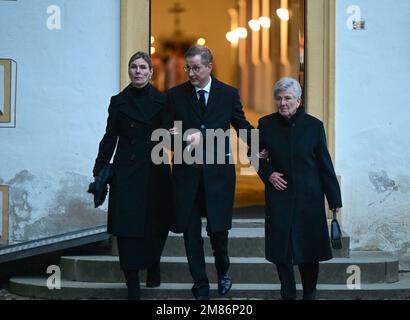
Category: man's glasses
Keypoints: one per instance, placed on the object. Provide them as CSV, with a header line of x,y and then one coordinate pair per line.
x,y
195,69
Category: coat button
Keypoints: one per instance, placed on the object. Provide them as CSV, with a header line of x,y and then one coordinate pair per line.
x,y
133,141
132,158
132,125
202,126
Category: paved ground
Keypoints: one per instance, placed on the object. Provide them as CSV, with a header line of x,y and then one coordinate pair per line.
x,y
5,295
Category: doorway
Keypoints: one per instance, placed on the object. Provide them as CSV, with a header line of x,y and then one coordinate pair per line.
x,y
254,42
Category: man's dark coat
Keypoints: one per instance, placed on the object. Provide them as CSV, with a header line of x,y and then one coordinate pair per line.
x,y
223,109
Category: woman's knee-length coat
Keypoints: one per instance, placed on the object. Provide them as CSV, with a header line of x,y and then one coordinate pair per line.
x,y
140,198
295,218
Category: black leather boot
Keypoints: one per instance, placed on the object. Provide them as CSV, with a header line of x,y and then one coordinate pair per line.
x,y
153,276
133,284
310,295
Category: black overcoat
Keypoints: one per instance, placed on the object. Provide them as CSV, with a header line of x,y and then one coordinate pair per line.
x,y
222,110
140,196
296,217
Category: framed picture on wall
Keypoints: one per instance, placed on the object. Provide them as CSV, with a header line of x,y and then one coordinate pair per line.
x,y
4,214
8,92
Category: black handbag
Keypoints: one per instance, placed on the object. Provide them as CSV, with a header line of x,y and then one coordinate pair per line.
x,y
99,187
335,233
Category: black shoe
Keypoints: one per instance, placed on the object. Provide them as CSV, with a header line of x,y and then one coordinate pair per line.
x,y
153,276
133,285
310,296
224,284
201,293
287,296
133,291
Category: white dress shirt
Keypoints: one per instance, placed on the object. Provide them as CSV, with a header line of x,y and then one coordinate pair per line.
x,y
207,89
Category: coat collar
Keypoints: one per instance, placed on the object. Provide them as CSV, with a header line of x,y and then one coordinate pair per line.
x,y
299,114
146,109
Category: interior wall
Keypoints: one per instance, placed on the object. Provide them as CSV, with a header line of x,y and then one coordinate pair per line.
x,y
269,54
202,18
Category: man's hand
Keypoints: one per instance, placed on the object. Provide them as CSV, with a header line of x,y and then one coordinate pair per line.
x,y
194,139
277,182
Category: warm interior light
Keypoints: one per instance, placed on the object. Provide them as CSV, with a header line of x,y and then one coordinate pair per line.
x,y
232,37
152,50
283,14
241,33
254,25
152,39
264,22
201,41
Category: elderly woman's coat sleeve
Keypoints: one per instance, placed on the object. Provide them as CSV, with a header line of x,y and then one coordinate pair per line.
x,y
109,141
264,168
327,173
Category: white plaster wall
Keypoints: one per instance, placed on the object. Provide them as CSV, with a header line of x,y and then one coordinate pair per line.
x,y
65,80
372,125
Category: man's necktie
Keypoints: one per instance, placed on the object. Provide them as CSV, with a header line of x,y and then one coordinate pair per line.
x,y
201,101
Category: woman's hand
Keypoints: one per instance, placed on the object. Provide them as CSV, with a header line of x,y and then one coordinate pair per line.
x,y
264,154
174,131
277,182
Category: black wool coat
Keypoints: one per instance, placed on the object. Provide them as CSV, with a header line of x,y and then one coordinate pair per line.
x,y
295,218
222,110
140,195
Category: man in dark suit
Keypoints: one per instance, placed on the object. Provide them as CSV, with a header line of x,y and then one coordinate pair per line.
x,y
205,188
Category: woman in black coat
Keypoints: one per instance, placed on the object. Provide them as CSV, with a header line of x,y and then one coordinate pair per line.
x,y
297,170
140,199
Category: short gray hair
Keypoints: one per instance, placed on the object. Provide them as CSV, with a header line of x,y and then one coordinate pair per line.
x,y
286,83
203,51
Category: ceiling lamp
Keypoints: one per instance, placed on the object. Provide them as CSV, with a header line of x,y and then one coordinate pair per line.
x,y
264,22
241,33
232,37
283,14
153,50
152,39
201,41
254,25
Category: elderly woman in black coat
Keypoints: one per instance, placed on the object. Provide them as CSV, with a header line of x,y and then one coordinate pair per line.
x,y
140,199
297,170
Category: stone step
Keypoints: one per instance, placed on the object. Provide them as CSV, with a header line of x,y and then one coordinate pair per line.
x,y
375,267
246,239
36,287
242,243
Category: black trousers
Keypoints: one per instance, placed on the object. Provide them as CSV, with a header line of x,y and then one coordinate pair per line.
x,y
308,272
140,253
194,247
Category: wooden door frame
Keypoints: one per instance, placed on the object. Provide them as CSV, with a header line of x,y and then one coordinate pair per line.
x,y
320,42
135,32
